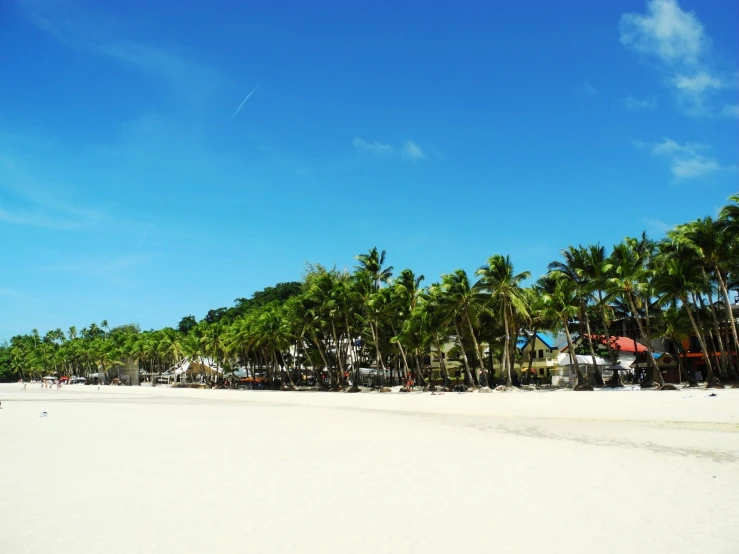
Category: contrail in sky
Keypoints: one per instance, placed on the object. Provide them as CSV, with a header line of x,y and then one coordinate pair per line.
x,y
142,238
245,99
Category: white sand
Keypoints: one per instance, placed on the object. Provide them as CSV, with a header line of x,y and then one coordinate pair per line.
x,y
162,470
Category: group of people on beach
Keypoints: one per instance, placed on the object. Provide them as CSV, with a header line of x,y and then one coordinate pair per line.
x,y
46,384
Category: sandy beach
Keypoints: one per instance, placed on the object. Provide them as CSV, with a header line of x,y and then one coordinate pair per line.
x,y
170,470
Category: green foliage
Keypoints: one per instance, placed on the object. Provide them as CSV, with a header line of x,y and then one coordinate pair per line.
x,y
334,322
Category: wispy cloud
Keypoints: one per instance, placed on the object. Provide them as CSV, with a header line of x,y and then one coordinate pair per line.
x,y
116,270
81,29
587,89
657,226
28,202
244,100
411,151
373,147
12,292
730,110
686,161
676,40
639,104
144,237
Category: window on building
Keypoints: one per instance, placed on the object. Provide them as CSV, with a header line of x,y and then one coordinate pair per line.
x,y
541,354
541,371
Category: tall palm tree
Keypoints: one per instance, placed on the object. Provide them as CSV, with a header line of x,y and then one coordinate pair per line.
x,y
677,278
437,320
562,303
716,244
463,302
583,266
631,281
372,263
675,326
503,285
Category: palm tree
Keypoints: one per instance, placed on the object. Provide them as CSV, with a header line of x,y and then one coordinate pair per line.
x,y
716,244
437,321
463,302
675,326
371,263
562,303
503,285
676,279
630,281
170,346
729,214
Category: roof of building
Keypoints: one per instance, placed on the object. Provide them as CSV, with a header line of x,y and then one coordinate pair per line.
x,y
546,338
622,344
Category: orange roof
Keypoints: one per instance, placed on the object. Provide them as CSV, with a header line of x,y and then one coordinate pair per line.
x,y
624,344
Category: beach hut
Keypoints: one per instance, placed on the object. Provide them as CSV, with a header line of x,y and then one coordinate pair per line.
x,y
564,374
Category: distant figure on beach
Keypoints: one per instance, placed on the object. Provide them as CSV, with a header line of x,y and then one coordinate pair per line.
x,y
24,385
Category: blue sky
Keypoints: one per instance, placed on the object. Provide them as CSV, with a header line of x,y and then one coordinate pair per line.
x,y
129,190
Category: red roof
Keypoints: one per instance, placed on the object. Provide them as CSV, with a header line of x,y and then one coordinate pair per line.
x,y
624,344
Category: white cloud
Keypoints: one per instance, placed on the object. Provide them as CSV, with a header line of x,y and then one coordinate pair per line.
x,y
676,39
639,104
730,110
694,167
28,202
411,151
697,84
374,147
657,226
78,28
686,161
588,89
670,147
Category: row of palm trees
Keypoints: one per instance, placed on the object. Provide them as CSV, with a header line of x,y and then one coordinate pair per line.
x,y
335,322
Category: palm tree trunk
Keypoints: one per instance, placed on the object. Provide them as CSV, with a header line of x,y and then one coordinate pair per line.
x,y
338,353
711,373
380,362
596,372
478,350
442,363
506,361
656,373
287,370
573,355
722,359
607,334
711,376
684,375
468,375
532,351
319,382
729,313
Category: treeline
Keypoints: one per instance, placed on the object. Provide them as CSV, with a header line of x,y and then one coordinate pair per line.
x,y
334,322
